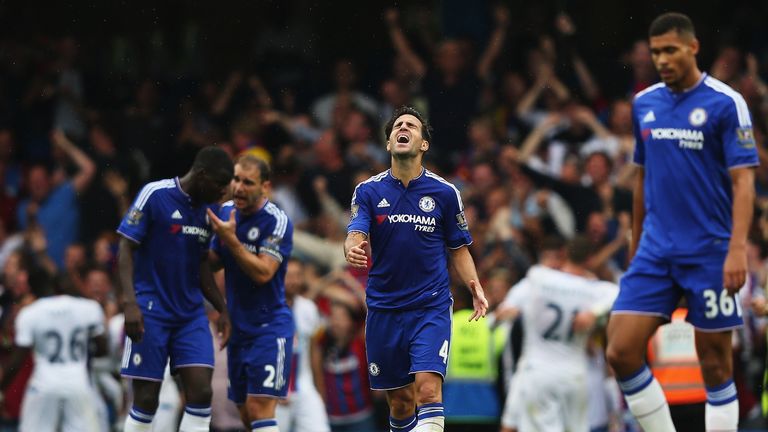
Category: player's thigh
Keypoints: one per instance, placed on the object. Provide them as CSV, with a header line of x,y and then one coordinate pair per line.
x,y
79,413
191,345
146,360
36,403
540,408
510,414
573,403
710,307
430,336
647,288
628,334
267,365
310,412
387,346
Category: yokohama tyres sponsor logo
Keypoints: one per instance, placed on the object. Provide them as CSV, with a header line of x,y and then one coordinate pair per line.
x,y
415,219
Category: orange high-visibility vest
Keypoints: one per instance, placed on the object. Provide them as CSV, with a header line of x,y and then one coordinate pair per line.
x,y
673,360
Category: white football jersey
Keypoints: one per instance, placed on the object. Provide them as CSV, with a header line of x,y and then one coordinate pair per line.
x,y
549,300
59,329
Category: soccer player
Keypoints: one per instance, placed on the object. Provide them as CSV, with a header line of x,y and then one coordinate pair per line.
x,y
410,221
253,242
693,199
59,329
559,308
164,273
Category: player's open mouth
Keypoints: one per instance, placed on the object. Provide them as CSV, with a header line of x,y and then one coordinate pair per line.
x,y
403,138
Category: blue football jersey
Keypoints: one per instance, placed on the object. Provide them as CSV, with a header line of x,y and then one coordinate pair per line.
x,y
173,238
409,229
687,142
253,307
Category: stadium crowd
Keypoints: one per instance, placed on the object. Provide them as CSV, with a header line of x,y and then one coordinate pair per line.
x,y
539,148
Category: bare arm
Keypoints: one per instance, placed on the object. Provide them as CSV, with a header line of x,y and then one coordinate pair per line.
x,y
638,211
260,268
491,53
735,267
213,295
86,167
402,46
356,249
462,262
126,293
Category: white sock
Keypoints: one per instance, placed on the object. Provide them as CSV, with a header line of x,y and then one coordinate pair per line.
x,y
264,425
138,421
646,400
431,418
721,413
196,419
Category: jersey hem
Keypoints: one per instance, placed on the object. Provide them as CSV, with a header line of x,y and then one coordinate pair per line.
x,y
427,370
357,231
390,388
141,378
716,330
460,246
644,313
128,237
264,395
744,165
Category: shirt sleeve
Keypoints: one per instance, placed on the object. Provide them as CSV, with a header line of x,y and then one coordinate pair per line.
x,y
24,332
136,222
360,211
639,154
279,243
737,135
454,221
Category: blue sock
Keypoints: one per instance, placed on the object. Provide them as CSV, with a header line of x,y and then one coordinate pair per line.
x,y
264,425
198,410
722,394
404,425
636,381
430,410
140,415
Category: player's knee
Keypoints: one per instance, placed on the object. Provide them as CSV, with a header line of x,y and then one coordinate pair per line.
x,y
715,368
200,395
402,406
146,401
428,392
623,359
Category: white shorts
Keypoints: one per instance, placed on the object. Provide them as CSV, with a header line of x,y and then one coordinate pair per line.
x,y
48,411
551,402
303,411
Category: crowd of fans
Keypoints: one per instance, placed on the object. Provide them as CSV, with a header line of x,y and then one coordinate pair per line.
x,y
540,152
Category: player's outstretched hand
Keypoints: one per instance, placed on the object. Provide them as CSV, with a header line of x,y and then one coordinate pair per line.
x,y
357,257
220,227
224,327
134,322
479,301
735,270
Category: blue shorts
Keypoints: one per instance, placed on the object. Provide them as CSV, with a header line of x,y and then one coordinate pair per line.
x,y
402,343
654,286
261,366
188,344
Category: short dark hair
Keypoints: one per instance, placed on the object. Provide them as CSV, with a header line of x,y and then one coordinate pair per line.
x,y
671,21
426,128
579,249
212,159
265,173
